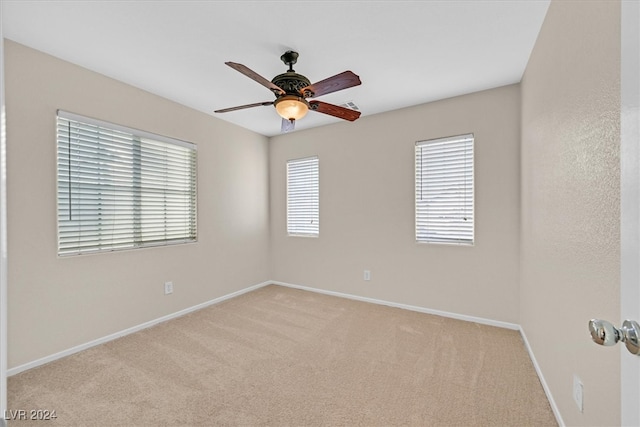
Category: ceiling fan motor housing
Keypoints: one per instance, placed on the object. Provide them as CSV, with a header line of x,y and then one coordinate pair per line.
x,y
293,83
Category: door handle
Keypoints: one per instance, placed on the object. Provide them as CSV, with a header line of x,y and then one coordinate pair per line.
x,y
604,333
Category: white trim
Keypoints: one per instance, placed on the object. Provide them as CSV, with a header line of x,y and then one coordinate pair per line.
x,y
545,387
481,320
3,236
111,337
303,203
629,204
125,129
468,136
302,159
429,154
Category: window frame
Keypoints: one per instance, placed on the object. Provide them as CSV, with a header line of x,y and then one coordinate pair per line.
x,y
140,150
420,232
291,227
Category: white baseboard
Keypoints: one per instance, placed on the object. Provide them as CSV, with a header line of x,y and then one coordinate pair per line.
x,y
490,322
545,387
70,351
464,317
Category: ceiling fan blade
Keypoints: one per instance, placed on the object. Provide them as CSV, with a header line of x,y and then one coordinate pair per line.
x,y
334,110
255,76
338,82
242,107
287,125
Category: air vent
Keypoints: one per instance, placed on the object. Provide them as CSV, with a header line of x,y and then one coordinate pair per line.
x,y
351,105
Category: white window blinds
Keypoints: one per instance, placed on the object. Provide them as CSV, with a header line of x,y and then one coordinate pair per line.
x,y
121,188
303,197
444,190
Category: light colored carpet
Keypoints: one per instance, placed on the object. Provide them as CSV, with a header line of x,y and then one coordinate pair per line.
x,y
286,357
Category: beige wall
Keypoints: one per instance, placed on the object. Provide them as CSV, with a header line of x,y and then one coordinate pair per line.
x,y
57,303
367,209
547,209
570,204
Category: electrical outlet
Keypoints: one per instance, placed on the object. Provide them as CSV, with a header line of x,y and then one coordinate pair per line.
x,y
367,275
578,392
168,288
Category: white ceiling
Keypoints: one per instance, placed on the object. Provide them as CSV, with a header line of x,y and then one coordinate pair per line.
x,y
405,52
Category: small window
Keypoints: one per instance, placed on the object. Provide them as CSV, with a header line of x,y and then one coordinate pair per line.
x,y
303,197
444,190
120,188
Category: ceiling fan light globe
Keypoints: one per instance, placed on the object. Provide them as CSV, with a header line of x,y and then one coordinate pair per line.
x,y
291,107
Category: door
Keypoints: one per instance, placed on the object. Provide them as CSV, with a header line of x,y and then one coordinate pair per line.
x,y
630,204
3,240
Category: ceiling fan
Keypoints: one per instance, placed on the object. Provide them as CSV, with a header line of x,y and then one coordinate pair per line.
x,y
292,90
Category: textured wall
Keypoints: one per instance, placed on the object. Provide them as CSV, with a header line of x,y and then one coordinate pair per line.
x,y
57,303
570,203
367,208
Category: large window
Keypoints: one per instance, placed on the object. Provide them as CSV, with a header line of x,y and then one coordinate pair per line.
x,y
444,190
303,197
121,188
